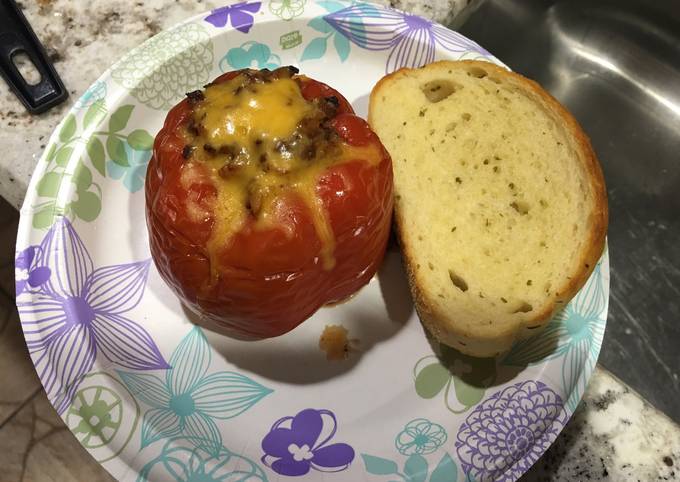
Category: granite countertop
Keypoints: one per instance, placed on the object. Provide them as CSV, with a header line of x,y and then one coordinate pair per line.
x,y
614,435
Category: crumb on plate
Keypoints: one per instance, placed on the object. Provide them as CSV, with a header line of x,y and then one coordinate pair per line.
x,y
334,342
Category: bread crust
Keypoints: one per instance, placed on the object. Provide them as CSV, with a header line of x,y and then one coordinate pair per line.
x,y
478,340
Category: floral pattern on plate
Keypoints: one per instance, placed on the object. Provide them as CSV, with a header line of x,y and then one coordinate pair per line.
x,y
295,445
575,333
506,433
461,379
27,273
79,312
420,436
410,39
103,416
287,9
250,55
182,461
418,440
81,154
241,16
317,47
189,400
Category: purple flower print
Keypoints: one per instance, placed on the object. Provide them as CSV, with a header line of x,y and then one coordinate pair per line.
x,y
78,314
241,15
509,431
411,40
294,445
26,271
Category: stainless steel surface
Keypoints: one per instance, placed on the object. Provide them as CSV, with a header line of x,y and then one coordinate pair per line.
x,y
616,66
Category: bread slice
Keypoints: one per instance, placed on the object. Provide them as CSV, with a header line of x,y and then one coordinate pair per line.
x,y
500,203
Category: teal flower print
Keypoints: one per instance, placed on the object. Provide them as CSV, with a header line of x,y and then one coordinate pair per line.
x,y
134,174
317,47
420,436
187,401
95,93
574,333
182,462
252,55
420,442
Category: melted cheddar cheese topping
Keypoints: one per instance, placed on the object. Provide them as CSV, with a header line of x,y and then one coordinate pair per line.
x,y
260,139
233,113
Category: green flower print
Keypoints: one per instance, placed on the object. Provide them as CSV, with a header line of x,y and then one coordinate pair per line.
x,y
574,333
81,152
468,376
67,187
252,55
189,398
181,461
99,410
418,439
287,9
420,436
103,416
166,66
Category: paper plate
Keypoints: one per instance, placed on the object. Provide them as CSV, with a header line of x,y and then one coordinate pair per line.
x,y
152,397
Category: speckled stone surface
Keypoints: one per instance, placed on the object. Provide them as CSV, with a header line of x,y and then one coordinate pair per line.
x,y
614,435
83,39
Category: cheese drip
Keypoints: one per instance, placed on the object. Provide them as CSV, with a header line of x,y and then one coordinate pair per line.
x,y
260,139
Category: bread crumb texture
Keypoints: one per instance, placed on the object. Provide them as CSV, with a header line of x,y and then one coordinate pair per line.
x,y
493,196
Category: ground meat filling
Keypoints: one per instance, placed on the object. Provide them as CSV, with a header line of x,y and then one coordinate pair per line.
x,y
313,139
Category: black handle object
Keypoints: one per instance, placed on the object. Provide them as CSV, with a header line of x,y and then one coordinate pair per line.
x,y
16,37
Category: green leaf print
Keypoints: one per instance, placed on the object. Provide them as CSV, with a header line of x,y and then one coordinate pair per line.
x,y
431,380
78,198
82,177
95,149
469,376
95,114
50,153
44,217
120,118
116,149
68,128
466,393
140,140
87,207
63,156
49,184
